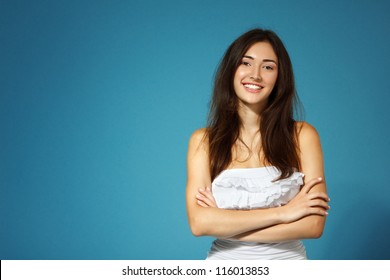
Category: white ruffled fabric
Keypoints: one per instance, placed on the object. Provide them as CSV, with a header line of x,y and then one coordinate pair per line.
x,y
251,188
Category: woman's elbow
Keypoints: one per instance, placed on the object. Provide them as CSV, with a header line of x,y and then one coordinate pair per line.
x,y
197,232
317,233
316,228
197,227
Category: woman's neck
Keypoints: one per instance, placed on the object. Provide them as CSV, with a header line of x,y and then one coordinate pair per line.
x,y
250,120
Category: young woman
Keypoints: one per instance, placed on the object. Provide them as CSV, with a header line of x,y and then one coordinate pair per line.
x,y
255,175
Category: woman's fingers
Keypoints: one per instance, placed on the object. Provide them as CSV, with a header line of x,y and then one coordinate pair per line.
x,y
206,198
319,203
318,195
310,184
318,211
201,203
307,202
316,200
210,197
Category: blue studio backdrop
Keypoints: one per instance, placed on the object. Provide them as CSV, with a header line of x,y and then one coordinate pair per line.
x,y
99,98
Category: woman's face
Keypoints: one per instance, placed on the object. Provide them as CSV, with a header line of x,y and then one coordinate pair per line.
x,y
256,76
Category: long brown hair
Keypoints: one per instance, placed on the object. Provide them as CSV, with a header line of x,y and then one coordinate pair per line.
x,y
277,125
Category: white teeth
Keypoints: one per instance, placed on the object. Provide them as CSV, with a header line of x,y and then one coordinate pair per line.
x,y
251,86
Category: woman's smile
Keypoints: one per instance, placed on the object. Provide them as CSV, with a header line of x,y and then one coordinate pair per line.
x,y
253,88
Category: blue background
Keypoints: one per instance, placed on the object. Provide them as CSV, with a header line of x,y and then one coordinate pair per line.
x,y
98,100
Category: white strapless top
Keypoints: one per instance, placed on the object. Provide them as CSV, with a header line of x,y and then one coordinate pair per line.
x,y
251,188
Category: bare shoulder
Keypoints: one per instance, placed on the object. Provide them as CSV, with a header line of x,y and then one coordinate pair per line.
x,y
198,137
198,140
306,133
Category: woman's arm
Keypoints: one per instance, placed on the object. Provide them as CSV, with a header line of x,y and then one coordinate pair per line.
x,y
214,221
311,226
301,229
223,223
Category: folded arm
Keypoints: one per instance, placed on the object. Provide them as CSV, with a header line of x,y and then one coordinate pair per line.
x,y
238,224
213,221
309,226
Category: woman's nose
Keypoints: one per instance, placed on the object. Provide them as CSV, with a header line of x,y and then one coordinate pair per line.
x,y
256,75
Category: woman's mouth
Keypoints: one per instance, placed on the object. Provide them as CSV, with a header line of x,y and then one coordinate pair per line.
x,y
253,87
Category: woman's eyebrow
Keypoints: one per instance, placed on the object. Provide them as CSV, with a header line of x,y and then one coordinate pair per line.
x,y
248,56
269,60
264,60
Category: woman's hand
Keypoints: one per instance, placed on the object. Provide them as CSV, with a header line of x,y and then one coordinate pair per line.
x,y
306,203
205,198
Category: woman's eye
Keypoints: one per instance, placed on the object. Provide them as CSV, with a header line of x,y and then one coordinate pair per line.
x,y
245,63
268,67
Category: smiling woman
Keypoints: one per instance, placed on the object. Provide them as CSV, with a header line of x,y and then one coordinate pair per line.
x,y
255,175
256,76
